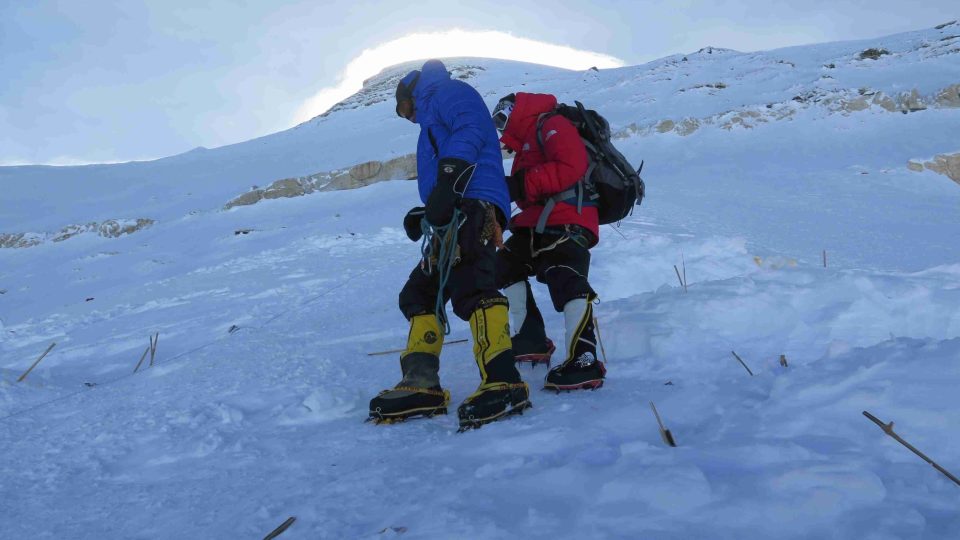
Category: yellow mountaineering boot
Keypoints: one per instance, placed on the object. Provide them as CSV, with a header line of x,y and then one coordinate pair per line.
x,y
501,392
419,392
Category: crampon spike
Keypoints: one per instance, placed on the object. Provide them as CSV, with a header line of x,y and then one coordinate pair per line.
x,y
471,423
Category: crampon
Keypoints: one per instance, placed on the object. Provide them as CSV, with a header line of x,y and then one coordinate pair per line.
x,y
535,359
495,402
572,376
589,385
466,424
420,403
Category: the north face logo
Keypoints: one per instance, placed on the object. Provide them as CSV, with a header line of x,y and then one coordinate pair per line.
x,y
585,360
430,337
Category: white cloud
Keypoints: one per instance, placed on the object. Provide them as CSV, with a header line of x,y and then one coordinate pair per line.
x,y
453,43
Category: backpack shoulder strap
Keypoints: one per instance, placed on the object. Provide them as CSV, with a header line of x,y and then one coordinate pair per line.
x,y
552,202
576,192
542,119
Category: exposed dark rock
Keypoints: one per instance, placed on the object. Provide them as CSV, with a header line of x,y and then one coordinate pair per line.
x,y
873,54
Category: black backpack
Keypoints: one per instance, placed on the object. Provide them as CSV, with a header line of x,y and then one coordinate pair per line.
x,y
610,183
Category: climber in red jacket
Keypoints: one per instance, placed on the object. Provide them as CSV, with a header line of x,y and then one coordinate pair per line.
x,y
550,162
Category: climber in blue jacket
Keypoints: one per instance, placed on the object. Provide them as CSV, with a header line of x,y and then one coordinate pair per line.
x,y
462,185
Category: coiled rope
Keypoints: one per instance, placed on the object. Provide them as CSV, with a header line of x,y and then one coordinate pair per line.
x,y
445,240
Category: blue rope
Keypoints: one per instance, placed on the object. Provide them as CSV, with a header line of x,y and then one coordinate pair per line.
x,y
447,240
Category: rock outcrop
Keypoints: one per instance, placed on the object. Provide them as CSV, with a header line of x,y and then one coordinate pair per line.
x,y
949,97
666,125
912,102
111,228
362,174
20,240
687,126
842,102
114,228
945,164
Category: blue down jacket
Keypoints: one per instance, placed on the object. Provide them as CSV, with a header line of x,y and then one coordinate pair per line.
x,y
453,113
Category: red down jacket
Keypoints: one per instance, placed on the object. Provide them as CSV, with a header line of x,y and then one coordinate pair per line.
x,y
554,170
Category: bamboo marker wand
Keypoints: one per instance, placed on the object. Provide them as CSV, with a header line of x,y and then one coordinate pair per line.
x,y
154,340
392,351
742,363
142,356
596,325
680,279
888,429
27,372
279,530
664,432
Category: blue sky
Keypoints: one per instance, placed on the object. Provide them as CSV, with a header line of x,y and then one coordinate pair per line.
x,y
103,81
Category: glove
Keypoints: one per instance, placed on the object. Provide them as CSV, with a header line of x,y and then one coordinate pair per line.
x,y
453,177
411,223
482,229
515,183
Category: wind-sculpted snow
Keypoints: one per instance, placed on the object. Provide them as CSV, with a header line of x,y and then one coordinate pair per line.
x,y
804,236
253,409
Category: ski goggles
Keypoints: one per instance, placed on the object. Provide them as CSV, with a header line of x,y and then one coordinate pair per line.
x,y
405,97
501,114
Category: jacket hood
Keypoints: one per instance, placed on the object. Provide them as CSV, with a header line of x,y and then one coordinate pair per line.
x,y
523,119
432,74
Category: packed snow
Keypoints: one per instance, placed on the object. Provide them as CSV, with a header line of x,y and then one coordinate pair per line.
x,y
253,409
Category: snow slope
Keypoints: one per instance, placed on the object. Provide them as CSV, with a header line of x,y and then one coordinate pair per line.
x,y
253,410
